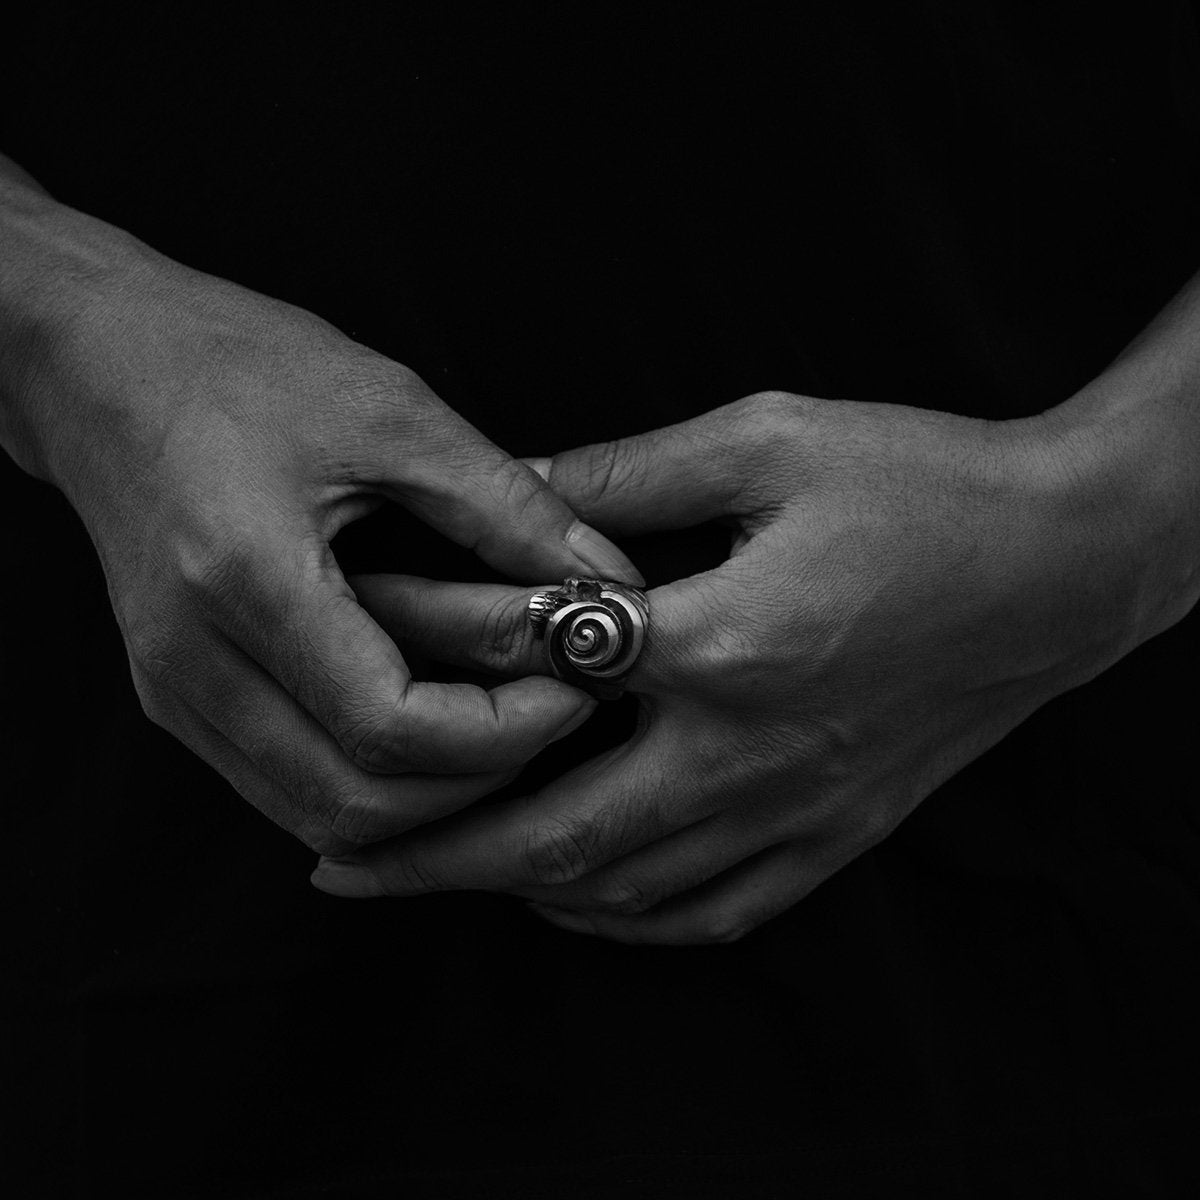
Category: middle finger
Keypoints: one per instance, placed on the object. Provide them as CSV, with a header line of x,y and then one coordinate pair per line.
x,y
486,626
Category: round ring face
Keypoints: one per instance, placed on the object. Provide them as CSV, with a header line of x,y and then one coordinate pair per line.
x,y
594,631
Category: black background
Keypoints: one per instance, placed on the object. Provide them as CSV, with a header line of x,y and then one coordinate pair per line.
x,y
576,224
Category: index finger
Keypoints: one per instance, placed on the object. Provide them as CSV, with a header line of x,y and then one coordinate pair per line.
x,y
294,614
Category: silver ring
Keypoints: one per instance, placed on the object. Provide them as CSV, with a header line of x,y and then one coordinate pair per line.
x,y
594,630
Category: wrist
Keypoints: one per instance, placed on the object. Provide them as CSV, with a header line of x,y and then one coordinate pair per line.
x,y
1124,479
56,266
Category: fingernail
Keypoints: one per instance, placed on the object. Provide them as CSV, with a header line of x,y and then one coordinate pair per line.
x,y
340,878
540,465
600,556
574,722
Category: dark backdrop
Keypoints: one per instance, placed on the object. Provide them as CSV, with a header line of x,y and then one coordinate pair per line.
x,y
576,224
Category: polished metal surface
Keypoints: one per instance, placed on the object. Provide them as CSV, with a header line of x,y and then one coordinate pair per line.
x,y
594,630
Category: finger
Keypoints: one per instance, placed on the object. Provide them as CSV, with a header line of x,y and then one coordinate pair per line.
x,y
256,733
265,793
482,626
486,626
723,910
590,816
331,807
293,613
467,488
644,878
716,465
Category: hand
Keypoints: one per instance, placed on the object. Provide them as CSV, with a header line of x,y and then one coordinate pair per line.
x,y
214,441
904,588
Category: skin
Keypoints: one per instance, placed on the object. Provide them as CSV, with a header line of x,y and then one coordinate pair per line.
x,y
213,441
904,588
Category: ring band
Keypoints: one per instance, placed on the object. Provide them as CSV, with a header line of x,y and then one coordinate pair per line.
x,y
594,630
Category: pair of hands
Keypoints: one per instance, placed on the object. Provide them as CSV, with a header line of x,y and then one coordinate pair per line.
x,y
903,588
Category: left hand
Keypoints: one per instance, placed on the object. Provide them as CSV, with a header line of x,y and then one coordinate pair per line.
x,y
904,588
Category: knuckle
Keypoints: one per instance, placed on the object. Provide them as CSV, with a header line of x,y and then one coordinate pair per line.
x,y
355,816
373,749
769,421
149,644
830,747
379,743
737,648
379,401
736,656
557,853
520,493
602,467
376,386
775,409
609,466
339,828
220,579
157,651
311,825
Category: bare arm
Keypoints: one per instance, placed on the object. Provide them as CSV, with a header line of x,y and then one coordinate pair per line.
x,y
213,441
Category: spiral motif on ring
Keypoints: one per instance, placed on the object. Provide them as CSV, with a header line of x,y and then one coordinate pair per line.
x,y
598,638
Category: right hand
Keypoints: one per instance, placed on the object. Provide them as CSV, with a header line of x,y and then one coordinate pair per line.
x,y
214,441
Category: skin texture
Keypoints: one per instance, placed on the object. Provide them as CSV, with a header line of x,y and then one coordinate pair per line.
x,y
904,588
214,441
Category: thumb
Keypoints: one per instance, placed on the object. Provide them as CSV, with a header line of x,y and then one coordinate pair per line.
x,y
466,487
670,478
